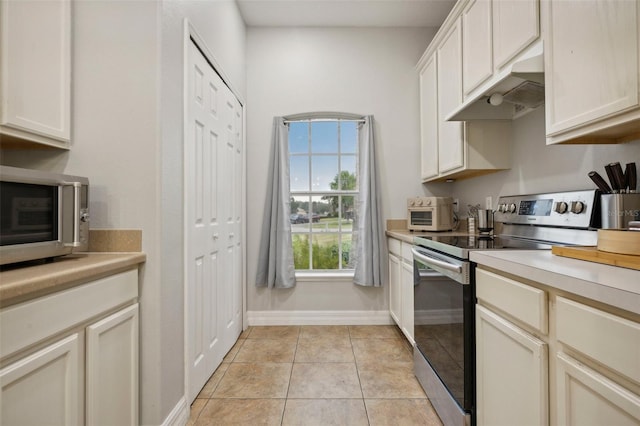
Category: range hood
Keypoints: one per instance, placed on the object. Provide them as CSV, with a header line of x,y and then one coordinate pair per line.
x,y
511,93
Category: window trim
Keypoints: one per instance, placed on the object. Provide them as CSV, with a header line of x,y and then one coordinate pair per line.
x,y
320,275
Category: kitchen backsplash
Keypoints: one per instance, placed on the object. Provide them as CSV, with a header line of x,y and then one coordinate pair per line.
x,y
541,168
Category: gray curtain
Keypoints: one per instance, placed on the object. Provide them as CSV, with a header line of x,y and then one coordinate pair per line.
x,y
275,258
368,239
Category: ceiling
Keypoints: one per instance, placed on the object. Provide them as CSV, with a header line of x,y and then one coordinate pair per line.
x,y
344,13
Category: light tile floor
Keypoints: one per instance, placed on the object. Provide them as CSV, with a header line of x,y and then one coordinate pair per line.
x,y
315,375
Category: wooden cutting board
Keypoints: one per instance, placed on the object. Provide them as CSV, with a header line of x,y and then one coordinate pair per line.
x,y
592,254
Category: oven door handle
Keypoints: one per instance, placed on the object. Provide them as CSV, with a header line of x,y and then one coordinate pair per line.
x,y
432,260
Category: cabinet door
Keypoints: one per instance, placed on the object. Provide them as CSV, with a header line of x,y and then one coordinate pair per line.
x,y
450,137
429,119
516,24
44,388
112,369
477,55
36,70
395,299
586,398
407,300
591,69
511,376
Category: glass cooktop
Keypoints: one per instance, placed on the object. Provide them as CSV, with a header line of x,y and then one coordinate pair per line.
x,y
459,246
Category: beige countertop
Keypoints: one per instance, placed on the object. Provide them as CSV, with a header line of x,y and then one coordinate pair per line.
x,y
615,286
24,282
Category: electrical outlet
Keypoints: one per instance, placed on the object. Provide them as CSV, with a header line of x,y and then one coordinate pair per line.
x,y
456,205
488,203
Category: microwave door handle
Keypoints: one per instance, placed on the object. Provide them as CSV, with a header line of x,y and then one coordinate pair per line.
x,y
431,260
71,204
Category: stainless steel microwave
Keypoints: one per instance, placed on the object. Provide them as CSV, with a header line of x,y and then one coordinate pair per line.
x,y
42,214
430,214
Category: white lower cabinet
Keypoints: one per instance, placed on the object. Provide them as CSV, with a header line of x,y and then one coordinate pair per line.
x,y
511,373
406,288
112,369
589,393
71,357
44,387
587,398
585,370
401,286
395,288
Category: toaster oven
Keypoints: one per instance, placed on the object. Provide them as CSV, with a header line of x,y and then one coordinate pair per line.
x,y
430,214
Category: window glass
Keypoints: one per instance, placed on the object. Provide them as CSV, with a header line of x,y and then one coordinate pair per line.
x,y
324,188
324,170
324,137
298,137
348,137
299,172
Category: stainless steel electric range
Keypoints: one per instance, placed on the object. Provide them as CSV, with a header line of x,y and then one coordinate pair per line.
x,y
444,331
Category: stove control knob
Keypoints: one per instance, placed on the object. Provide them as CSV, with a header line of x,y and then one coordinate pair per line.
x,y
577,207
502,208
511,208
411,203
419,202
561,207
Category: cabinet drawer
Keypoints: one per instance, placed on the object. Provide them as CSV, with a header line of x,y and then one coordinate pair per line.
x,y
524,303
604,337
394,246
30,322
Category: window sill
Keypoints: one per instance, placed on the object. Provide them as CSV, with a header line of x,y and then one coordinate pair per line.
x,y
346,276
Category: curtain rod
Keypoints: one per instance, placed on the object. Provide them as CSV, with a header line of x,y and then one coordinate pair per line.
x,y
323,119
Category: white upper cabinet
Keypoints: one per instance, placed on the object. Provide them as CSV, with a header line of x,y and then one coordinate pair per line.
x,y
429,119
449,65
35,59
477,54
592,71
516,24
499,39
454,149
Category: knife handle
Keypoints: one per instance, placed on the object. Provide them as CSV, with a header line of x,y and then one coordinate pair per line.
x,y
630,176
618,175
600,182
612,179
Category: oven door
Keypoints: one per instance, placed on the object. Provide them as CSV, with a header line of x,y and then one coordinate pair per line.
x,y
444,334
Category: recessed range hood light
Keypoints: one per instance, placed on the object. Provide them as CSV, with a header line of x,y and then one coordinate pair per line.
x,y
511,93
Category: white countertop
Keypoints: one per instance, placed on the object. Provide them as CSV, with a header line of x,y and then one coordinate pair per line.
x,y
619,287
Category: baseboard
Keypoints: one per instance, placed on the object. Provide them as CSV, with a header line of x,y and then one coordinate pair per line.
x,y
319,318
179,416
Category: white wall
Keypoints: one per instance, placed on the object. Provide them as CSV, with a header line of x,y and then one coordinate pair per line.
x,y
364,71
127,138
541,168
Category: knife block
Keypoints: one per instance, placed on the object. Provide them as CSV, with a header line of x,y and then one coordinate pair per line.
x,y
618,210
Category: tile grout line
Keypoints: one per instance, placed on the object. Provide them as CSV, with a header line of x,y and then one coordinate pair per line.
x,y
293,361
355,362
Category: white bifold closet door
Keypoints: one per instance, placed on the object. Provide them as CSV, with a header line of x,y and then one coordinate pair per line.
x,y
213,206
